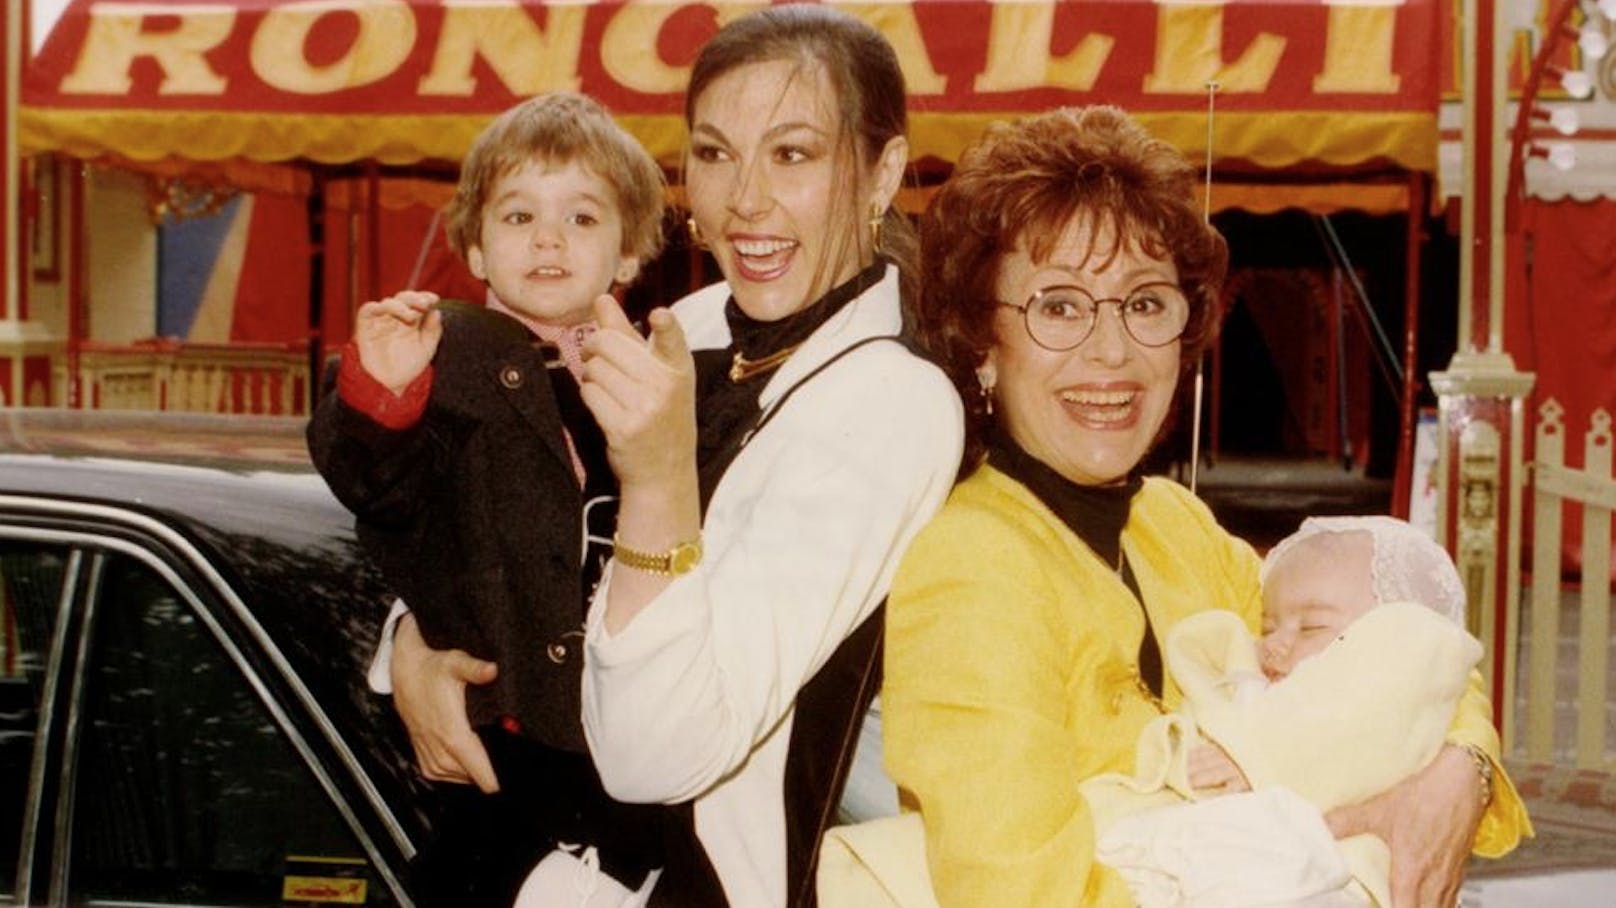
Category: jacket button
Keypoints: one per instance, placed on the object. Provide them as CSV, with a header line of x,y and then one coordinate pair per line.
x,y
511,377
557,652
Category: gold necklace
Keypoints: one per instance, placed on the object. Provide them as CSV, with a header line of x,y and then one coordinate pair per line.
x,y
742,368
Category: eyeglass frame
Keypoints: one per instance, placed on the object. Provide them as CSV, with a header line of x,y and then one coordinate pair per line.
x,y
1119,301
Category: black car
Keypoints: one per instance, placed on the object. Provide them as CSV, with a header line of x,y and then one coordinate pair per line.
x,y
184,629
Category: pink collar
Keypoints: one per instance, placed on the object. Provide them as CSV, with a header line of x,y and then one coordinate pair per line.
x,y
569,339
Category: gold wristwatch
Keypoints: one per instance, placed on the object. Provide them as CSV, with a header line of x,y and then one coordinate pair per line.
x,y
681,559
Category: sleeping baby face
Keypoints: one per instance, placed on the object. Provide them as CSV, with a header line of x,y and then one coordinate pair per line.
x,y
1322,584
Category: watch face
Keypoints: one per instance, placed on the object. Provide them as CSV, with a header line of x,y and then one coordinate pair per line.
x,y
684,557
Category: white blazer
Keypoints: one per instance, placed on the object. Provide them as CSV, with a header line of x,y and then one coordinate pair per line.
x,y
693,700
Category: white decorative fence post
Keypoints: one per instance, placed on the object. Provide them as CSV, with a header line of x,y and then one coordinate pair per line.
x,y
1543,654
1592,487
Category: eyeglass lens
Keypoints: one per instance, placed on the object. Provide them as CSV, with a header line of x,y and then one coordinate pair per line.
x,y
1061,318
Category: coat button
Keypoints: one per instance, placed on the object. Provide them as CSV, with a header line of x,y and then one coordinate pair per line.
x,y
511,377
557,652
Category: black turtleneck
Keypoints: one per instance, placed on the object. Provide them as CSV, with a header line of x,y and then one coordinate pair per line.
x,y
726,409
1097,514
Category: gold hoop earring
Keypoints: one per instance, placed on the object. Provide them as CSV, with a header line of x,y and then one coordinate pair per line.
x,y
876,222
696,239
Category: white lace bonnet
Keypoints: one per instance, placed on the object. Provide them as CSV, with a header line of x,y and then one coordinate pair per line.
x,y
1407,565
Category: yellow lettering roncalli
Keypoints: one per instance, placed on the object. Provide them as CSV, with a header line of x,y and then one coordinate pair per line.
x,y
527,58
628,46
1189,53
114,40
1019,39
386,35
1358,44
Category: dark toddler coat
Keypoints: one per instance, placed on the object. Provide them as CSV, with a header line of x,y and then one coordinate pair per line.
x,y
473,514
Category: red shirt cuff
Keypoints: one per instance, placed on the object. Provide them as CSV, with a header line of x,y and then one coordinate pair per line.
x,y
360,390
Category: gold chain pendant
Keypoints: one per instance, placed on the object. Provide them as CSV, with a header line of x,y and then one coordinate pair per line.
x,y
742,368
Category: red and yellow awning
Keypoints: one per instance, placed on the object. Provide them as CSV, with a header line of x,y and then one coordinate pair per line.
x,y
1301,83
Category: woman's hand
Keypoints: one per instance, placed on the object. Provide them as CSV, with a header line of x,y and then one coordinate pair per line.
x,y
429,692
643,394
1428,820
1211,769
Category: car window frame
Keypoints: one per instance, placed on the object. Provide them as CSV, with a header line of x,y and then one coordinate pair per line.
x,y
92,529
47,731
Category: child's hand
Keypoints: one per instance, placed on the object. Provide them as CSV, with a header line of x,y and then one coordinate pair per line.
x,y
397,336
1211,769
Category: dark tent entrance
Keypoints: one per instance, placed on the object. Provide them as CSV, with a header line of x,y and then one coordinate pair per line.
x,y
1311,356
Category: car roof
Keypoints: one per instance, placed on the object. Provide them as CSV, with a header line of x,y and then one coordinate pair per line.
x,y
230,473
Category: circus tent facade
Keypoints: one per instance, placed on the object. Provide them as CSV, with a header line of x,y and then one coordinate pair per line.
x,y
240,173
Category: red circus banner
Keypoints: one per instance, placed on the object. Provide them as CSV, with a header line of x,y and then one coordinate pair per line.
x,y
1299,82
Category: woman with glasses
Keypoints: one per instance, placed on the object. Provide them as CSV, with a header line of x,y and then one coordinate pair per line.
x,y
1069,283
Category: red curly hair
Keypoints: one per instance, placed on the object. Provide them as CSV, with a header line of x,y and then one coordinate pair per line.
x,y
1019,186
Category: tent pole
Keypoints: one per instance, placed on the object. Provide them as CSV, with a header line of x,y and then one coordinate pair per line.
x,y
373,244
78,322
1414,242
317,255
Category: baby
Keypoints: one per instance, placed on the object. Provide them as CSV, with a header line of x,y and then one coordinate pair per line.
x,y
1333,570
1351,688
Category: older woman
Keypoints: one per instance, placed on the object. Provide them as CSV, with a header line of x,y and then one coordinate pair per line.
x,y
768,484
1070,282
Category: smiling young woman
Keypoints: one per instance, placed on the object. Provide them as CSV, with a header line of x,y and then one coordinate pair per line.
x,y
800,447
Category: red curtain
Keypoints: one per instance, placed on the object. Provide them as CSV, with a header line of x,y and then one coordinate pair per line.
x,y
273,289
1561,322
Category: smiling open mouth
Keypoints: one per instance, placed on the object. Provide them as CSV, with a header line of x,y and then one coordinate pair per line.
x,y
1101,406
763,259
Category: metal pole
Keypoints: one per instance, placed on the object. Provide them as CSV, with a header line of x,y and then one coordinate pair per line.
x,y
1200,365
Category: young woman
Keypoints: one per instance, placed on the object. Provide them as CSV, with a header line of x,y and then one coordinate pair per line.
x,y
768,483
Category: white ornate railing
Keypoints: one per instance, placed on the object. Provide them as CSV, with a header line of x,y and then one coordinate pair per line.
x,y
1588,669
164,374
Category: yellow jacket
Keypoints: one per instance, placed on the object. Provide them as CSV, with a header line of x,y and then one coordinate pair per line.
x,y
1012,676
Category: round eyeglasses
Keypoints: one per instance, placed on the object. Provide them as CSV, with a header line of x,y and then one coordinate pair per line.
x,y
1061,318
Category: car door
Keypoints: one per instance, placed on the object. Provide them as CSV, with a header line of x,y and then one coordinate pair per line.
x,y
148,753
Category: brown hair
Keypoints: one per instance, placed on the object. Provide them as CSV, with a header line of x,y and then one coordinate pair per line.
x,y
560,128
1019,185
864,74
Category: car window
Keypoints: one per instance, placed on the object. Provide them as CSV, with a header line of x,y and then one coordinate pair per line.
x,y
187,791
31,578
